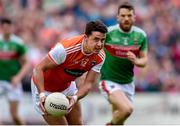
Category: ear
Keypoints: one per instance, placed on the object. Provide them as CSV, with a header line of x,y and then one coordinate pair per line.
x,y
85,38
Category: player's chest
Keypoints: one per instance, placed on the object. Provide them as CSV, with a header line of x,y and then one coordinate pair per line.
x,y
125,40
81,62
8,46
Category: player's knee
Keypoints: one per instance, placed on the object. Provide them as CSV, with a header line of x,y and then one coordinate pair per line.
x,y
126,111
15,117
129,111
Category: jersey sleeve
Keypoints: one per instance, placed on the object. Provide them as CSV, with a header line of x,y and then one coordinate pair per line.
x,y
144,44
57,54
97,67
22,49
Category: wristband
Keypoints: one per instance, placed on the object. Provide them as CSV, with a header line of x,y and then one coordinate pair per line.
x,y
75,97
42,94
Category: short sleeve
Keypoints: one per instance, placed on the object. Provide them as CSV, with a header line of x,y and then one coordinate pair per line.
x,y
22,49
144,44
97,67
57,54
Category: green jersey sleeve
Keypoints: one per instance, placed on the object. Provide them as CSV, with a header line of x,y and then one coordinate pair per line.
x,y
22,49
144,45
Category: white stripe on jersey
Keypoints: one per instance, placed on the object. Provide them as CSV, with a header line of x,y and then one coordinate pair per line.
x,y
101,55
97,67
72,47
73,50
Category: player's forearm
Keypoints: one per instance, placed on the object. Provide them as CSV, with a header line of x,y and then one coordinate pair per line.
x,y
38,78
24,70
84,90
140,62
80,80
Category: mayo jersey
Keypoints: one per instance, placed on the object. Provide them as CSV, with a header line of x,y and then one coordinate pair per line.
x,y
10,53
72,63
120,69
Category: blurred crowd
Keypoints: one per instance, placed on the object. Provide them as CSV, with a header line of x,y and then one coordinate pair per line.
x,y
41,23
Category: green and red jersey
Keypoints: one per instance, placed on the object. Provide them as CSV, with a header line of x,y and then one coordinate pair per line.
x,y
120,69
10,53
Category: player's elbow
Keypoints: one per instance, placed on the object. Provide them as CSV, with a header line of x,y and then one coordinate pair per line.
x,y
142,63
37,70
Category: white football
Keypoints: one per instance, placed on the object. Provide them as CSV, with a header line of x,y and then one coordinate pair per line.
x,y
56,104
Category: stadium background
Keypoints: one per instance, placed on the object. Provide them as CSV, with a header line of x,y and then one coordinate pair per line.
x,y
41,23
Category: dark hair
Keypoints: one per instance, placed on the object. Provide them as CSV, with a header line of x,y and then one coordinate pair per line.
x,y
126,5
5,21
95,26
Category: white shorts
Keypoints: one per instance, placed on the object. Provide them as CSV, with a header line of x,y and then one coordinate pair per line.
x,y
107,87
71,90
12,93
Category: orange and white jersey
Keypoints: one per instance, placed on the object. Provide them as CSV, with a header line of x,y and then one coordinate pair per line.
x,y
72,63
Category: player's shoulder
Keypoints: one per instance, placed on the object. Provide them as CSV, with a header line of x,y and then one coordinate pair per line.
x,y
16,39
113,27
139,30
73,41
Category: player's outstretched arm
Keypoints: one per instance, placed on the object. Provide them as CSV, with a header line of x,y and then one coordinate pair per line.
x,y
23,71
89,82
38,72
38,78
84,87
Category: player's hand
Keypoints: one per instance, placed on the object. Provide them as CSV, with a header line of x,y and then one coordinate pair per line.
x,y
132,57
42,99
15,81
72,101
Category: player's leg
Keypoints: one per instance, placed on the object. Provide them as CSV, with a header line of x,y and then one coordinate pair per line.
x,y
75,116
13,105
121,107
14,96
2,93
121,102
51,120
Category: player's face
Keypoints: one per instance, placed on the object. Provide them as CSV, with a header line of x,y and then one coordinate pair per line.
x,y
6,28
95,42
126,19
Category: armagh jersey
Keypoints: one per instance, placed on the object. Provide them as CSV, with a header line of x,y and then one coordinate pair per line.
x,y
10,52
120,69
72,63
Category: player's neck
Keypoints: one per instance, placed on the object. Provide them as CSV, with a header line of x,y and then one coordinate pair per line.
x,y
6,37
125,31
